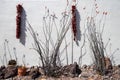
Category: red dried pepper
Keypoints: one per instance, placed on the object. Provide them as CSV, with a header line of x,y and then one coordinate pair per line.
x,y
18,20
74,29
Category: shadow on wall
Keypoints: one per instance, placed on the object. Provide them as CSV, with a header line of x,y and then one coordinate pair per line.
x,y
78,19
23,28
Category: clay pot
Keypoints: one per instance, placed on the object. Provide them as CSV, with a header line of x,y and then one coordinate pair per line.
x,y
21,71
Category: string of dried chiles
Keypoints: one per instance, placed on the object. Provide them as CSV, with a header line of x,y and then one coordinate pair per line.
x,y
74,21
18,20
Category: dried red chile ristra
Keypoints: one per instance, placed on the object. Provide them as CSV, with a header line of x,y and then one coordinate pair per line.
x,y
74,21
18,20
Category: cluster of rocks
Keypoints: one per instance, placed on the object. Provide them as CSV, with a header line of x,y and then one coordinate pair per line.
x,y
89,73
8,72
69,71
11,71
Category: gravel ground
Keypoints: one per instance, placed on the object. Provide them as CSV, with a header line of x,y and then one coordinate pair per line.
x,y
88,73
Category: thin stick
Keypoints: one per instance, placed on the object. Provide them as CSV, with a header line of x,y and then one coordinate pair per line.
x,y
4,57
66,52
8,49
1,60
36,43
15,54
72,50
23,60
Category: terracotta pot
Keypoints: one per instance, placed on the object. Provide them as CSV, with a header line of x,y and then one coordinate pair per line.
x,y
21,71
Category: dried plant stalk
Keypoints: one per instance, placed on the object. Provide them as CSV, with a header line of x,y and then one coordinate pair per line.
x,y
96,45
50,57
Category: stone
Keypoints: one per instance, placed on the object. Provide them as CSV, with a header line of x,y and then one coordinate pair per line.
x,y
10,71
2,72
71,70
41,71
108,63
12,62
34,73
2,67
84,66
84,74
119,65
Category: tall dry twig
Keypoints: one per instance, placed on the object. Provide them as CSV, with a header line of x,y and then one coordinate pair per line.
x,y
7,48
96,45
36,42
15,54
66,52
50,56
1,60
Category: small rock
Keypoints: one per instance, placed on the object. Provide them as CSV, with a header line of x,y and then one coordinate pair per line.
x,y
71,70
85,74
84,66
41,71
2,72
2,67
10,71
108,63
106,77
119,65
34,73
12,62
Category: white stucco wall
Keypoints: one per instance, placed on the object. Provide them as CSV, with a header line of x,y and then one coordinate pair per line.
x,y
35,10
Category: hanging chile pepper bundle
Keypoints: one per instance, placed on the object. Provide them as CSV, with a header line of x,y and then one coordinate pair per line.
x,y
74,29
18,20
